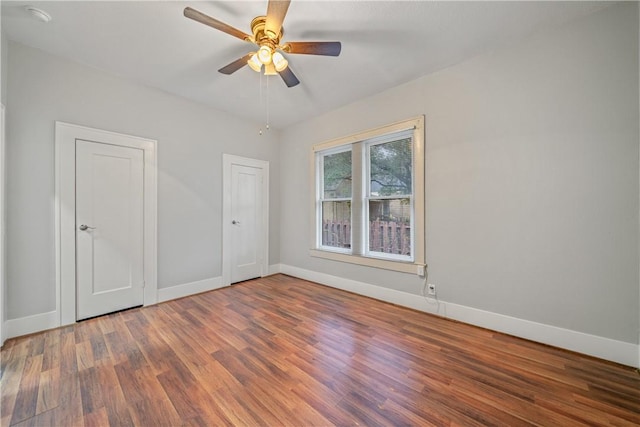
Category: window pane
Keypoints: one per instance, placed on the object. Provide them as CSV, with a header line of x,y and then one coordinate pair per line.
x,y
390,226
337,175
390,168
336,224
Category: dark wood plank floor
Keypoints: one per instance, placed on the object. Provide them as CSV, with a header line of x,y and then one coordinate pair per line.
x,y
280,351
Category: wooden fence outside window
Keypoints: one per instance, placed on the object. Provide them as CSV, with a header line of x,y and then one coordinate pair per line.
x,y
388,237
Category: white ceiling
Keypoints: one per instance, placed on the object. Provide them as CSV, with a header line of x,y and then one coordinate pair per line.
x,y
384,44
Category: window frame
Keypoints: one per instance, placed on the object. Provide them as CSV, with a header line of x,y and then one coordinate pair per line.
x,y
384,139
320,198
359,253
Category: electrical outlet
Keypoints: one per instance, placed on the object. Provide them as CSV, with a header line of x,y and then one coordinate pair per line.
x,y
431,289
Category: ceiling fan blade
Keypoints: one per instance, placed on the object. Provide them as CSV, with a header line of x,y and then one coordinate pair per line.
x,y
289,78
235,65
276,11
218,25
313,48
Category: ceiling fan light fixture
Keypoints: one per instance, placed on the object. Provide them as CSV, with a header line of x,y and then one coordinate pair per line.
x,y
279,61
255,63
270,70
264,54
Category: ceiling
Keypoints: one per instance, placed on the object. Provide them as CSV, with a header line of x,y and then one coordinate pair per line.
x,y
384,44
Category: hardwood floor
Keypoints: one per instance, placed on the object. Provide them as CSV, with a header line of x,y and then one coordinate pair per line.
x,y
281,351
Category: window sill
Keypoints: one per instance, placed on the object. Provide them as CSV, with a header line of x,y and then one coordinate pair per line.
x,y
401,266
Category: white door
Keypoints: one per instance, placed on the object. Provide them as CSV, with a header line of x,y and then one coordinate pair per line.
x,y
246,239
109,228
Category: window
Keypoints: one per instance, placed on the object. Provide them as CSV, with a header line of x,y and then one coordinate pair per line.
x,y
389,197
368,205
335,199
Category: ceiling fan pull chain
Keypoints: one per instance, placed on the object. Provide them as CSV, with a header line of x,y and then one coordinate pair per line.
x,y
260,82
267,77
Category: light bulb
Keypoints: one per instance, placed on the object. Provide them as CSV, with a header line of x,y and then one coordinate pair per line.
x,y
264,54
254,63
279,61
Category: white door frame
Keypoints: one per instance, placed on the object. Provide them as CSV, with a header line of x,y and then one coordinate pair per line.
x,y
2,224
65,210
228,161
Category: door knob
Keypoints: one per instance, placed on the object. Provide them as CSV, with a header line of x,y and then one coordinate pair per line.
x,y
84,227
234,222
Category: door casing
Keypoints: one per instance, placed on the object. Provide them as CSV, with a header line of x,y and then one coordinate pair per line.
x,y
65,207
2,224
227,161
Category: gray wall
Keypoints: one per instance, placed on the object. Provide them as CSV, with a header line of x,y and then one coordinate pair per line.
x,y
191,140
4,61
532,175
531,178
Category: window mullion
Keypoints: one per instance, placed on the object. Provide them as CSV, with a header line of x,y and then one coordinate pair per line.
x,y
357,203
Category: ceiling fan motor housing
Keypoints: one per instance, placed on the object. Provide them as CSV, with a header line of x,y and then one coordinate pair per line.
x,y
263,38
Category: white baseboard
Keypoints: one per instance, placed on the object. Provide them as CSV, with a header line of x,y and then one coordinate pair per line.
x,y
184,290
605,348
274,269
592,345
30,324
40,322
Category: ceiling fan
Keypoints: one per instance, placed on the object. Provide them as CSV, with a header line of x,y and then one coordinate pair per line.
x,y
266,34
